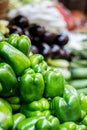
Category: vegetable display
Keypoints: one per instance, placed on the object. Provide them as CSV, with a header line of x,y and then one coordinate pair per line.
x,y
34,96
47,43
53,46
78,68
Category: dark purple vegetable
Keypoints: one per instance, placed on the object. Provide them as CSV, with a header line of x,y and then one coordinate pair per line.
x,y
48,37
36,30
47,43
55,51
15,29
34,49
61,39
45,50
20,21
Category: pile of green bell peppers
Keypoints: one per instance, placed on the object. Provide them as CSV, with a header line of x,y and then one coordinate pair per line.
x,y
34,96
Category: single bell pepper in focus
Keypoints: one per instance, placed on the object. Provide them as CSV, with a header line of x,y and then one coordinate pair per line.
x,y
31,87
22,43
38,63
6,120
15,58
36,108
8,80
17,118
68,126
54,83
67,108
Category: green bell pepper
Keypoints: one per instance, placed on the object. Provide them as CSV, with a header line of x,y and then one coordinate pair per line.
x,y
6,120
39,123
67,126
8,80
84,121
35,113
18,61
22,43
28,123
17,118
29,71
38,63
42,124
54,83
36,108
83,99
81,127
50,123
31,86
83,114
67,108
15,107
14,102
12,39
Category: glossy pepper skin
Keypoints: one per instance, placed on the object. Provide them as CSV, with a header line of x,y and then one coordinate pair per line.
x,y
54,84
36,108
14,102
22,43
67,108
39,123
68,126
50,123
83,99
6,120
15,58
31,86
38,63
28,123
81,127
17,118
84,121
8,80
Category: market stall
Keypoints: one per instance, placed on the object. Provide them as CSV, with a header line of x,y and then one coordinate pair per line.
x,y
43,66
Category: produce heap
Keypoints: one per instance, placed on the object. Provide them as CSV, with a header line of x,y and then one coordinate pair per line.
x,y
49,44
78,68
54,47
34,96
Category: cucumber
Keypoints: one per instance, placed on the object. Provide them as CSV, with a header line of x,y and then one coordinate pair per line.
x,y
61,63
79,73
74,65
79,83
80,53
81,62
83,53
78,63
83,90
